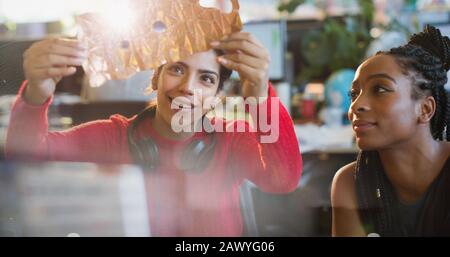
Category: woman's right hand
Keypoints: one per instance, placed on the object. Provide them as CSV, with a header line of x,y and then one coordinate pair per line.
x,y
46,63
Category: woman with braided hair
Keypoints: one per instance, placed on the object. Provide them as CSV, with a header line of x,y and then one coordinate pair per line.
x,y
400,112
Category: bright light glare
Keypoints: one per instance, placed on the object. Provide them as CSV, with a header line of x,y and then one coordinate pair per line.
x,y
49,10
119,16
23,11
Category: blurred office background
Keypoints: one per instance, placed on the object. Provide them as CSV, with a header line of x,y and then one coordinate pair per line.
x,y
315,47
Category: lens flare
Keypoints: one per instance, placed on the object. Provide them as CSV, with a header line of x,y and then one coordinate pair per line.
x,y
119,17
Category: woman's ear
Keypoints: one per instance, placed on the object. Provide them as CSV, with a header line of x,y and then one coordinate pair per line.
x,y
427,109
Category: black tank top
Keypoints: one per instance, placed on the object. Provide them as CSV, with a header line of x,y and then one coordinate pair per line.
x,y
409,214
381,211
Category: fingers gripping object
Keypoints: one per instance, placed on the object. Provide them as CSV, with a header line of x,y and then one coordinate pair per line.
x,y
151,34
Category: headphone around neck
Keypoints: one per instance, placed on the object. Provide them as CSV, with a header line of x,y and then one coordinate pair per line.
x,y
194,158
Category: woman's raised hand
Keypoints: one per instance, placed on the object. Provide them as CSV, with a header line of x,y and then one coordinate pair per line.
x,y
47,62
246,55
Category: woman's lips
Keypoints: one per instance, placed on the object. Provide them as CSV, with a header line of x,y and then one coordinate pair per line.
x,y
362,125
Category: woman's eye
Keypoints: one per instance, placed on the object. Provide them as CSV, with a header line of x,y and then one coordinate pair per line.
x,y
208,79
353,94
380,89
177,70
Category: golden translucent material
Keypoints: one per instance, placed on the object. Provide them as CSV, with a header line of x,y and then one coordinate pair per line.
x,y
156,32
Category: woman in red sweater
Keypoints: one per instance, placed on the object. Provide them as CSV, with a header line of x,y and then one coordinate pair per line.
x,y
197,195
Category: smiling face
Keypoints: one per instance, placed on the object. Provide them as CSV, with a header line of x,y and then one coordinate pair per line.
x,y
383,112
186,84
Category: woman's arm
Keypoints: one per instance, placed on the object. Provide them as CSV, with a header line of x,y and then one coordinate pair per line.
x,y
346,221
270,156
28,137
45,64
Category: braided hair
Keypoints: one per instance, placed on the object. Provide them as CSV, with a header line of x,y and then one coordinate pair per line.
x,y
426,59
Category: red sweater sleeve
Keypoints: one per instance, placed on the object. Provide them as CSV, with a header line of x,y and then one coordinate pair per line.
x,y
276,166
28,137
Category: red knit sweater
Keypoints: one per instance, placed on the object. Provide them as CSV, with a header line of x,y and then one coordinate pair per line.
x,y
180,203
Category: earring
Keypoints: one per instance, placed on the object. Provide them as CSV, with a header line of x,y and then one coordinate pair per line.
x,y
214,104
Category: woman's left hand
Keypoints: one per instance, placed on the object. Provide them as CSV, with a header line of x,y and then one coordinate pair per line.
x,y
246,55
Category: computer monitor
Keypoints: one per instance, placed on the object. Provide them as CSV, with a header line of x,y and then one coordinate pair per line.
x,y
12,74
272,34
11,65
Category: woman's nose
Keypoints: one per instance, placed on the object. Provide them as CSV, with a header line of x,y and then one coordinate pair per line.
x,y
360,104
187,86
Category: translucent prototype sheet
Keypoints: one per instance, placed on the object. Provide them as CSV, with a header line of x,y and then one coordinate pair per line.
x,y
144,34
72,199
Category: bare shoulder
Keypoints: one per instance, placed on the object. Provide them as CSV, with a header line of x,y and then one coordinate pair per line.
x,y
347,172
346,221
345,176
343,187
